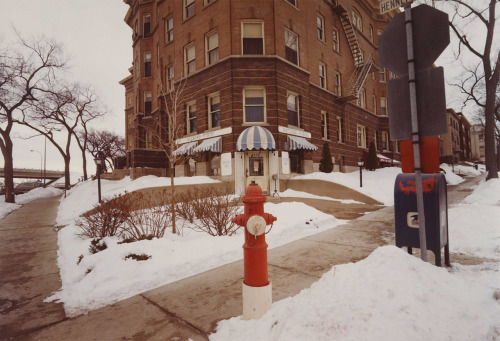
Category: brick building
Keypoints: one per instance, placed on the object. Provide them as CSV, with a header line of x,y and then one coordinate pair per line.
x,y
265,84
456,144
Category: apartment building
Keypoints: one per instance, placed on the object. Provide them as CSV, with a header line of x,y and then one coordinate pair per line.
x,y
456,144
262,86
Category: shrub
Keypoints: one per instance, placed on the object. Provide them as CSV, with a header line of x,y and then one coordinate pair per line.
x,y
137,257
372,161
326,164
97,245
106,218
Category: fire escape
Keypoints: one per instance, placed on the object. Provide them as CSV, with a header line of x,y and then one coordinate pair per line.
x,y
363,68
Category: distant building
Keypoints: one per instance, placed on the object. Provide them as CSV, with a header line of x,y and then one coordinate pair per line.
x,y
477,142
456,144
267,84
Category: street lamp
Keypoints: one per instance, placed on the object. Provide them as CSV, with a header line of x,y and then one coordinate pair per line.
x,y
99,161
41,163
361,163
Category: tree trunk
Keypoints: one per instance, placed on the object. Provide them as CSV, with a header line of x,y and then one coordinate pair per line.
x,y
67,179
84,159
172,207
489,131
8,171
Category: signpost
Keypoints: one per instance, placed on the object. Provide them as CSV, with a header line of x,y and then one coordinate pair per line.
x,y
411,42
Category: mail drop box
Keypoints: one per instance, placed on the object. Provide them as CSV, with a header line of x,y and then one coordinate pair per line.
x,y
435,210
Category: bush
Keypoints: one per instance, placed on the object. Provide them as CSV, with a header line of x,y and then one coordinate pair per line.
x,y
326,164
106,218
372,161
97,245
150,219
137,257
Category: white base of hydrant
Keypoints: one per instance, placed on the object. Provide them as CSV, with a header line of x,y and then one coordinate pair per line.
x,y
256,301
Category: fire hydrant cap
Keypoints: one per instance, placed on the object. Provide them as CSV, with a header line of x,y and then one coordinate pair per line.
x,y
253,190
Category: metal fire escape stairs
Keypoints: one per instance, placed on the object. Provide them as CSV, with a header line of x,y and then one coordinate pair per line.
x,y
363,68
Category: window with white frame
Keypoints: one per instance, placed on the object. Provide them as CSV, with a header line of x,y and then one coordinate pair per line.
x,y
149,140
190,60
340,129
191,117
188,8
383,106
356,20
370,32
147,24
324,125
148,102
336,40
291,47
254,105
374,104
169,30
385,141
213,110
322,75
252,36
147,64
382,75
169,77
361,135
212,46
292,108
320,27
362,98
338,84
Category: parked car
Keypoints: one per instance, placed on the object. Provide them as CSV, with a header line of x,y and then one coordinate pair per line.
x,y
25,187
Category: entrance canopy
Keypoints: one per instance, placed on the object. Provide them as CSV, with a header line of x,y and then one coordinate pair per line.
x,y
255,138
213,145
296,142
185,149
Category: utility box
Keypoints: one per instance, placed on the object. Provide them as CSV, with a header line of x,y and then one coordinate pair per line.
x,y
435,210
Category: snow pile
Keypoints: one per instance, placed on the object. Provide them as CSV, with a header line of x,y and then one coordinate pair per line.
x,y
37,193
378,184
173,257
290,193
474,224
452,178
388,296
83,196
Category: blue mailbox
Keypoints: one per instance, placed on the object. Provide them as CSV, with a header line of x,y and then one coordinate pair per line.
x,y
435,210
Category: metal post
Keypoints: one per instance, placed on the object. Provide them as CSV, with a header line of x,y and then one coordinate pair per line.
x,y
360,176
45,162
415,132
99,182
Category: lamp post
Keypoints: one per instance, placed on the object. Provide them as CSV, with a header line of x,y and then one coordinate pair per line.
x,y
361,163
41,163
99,161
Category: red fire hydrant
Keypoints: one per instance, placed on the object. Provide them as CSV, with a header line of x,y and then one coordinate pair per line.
x,y
257,291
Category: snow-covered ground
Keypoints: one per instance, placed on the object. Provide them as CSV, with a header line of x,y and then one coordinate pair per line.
x,y
390,295
394,296
37,193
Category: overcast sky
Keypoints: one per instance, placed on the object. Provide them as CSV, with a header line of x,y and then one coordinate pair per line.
x,y
99,43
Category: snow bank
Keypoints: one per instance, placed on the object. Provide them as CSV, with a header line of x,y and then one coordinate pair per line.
x,y
83,196
474,224
388,296
37,193
451,178
290,193
113,278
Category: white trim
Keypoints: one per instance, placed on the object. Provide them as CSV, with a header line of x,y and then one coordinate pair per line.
x,y
206,135
291,131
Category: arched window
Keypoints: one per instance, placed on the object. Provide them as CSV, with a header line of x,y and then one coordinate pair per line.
x,y
356,20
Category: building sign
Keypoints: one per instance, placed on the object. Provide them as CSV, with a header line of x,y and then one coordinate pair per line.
x,y
292,131
389,5
218,132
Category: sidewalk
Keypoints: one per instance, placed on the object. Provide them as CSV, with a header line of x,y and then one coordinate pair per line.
x,y
190,308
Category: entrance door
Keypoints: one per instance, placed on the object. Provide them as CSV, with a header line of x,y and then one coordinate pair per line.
x,y
257,169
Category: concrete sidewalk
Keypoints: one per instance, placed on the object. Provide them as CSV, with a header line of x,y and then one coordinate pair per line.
x,y
191,308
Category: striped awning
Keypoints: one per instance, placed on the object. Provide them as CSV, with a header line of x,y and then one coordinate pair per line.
x,y
214,145
255,138
186,148
296,142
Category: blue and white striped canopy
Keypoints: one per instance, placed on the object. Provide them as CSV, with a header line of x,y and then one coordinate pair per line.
x,y
185,149
255,138
214,144
296,142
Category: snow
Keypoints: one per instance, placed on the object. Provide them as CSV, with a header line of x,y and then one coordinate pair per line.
x,y
113,278
290,193
388,296
36,193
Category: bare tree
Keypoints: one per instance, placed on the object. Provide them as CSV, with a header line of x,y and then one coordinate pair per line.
x,y
88,108
481,83
25,73
109,144
54,115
